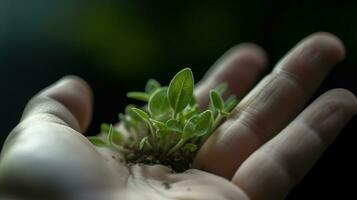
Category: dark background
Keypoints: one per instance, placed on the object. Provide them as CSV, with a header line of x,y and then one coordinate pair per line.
x,y
117,45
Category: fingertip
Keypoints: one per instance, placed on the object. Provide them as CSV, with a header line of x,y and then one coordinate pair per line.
x,y
249,53
346,98
76,95
329,43
77,80
246,61
239,67
255,52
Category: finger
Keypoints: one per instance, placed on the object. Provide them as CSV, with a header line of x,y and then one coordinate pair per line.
x,y
68,101
44,154
240,67
281,163
275,101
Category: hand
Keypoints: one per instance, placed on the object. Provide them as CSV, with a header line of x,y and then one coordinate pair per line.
x,y
261,152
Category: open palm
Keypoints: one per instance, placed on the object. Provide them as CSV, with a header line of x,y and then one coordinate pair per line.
x,y
260,152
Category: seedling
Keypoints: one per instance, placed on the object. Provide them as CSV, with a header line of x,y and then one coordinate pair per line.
x,y
171,127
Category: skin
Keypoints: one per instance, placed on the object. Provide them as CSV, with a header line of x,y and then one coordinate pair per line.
x,y
261,152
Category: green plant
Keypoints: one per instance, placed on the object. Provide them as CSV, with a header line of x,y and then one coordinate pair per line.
x,y
171,127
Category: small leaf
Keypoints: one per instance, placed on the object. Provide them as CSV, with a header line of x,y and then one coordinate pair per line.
x,y
114,136
194,119
193,101
190,147
224,113
230,103
181,118
143,142
204,123
138,96
157,124
145,117
109,136
174,125
180,90
151,86
97,141
188,131
117,136
158,103
128,108
142,114
162,132
193,110
221,88
216,100
104,128
131,116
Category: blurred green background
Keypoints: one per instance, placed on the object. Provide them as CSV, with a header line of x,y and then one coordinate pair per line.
x,y
117,45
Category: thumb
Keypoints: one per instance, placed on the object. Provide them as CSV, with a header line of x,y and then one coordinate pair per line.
x,y
69,100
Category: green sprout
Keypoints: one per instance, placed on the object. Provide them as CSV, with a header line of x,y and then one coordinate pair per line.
x,y
171,127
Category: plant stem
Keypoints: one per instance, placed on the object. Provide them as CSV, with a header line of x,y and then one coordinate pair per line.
x,y
216,123
176,147
135,135
174,114
149,145
153,137
166,145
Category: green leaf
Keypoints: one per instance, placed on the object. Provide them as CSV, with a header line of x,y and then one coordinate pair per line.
x,y
194,119
143,142
181,118
161,133
190,147
114,136
138,96
97,141
230,103
158,103
193,110
193,101
224,113
128,108
157,124
151,86
131,116
104,128
180,90
204,123
117,136
110,133
188,131
142,114
216,100
145,117
221,88
173,125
